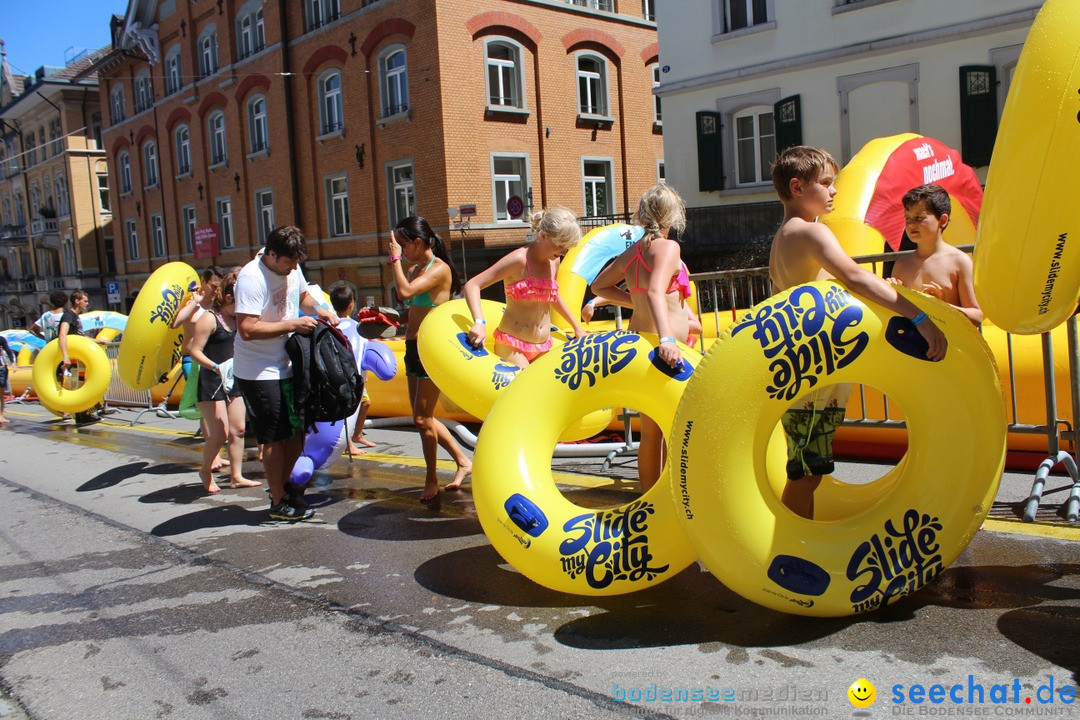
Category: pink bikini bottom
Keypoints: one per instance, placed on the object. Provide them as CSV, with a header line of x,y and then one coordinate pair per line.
x,y
531,351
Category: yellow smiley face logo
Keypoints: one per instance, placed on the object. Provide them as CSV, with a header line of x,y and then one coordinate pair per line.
x,y
862,693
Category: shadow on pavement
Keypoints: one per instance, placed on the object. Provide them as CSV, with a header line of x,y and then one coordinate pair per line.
x,y
1031,628
214,517
403,518
117,475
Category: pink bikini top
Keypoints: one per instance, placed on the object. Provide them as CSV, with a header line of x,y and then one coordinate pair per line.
x,y
679,281
532,288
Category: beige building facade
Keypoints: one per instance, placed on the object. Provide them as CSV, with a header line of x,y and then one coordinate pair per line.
x,y
742,78
55,223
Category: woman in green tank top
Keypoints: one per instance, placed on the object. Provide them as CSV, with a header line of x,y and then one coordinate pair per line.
x,y
431,280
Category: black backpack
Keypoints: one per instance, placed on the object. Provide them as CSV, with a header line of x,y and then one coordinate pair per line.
x,y
326,382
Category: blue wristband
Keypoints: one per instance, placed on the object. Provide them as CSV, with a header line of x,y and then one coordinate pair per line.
x,y
591,302
666,339
482,321
918,319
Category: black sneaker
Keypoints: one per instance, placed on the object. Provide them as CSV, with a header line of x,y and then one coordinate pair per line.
x,y
284,510
85,418
295,496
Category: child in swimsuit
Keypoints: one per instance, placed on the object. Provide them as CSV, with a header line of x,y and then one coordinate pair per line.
x,y
657,285
528,276
431,280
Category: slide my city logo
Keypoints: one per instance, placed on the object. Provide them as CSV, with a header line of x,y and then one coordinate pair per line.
x,y
971,698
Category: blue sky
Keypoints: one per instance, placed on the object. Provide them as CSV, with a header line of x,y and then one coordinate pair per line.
x,y
39,32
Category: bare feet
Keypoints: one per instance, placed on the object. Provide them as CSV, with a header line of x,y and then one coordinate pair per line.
x,y
363,441
353,450
3,420
431,490
219,463
463,472
208,482
243,483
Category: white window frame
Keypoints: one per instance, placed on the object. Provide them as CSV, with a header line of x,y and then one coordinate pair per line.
x,y
592,83
264,213
337,205
661,172
157,233
762,173
189,219
648,10
223,211
506,72
258,129
722,23
658,113
401,188
103,193
174,77
331,102
63,200
320,12
507,182
150,163
144,90
116,104
182,136
124,161
728,107
208,52
588,193
394,81
219,146
132,239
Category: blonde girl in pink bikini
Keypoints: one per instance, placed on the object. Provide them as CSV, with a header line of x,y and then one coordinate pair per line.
x,y
657,286
528,276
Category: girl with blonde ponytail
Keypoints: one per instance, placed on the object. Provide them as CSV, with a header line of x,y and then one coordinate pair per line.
x,y
528,276
657,286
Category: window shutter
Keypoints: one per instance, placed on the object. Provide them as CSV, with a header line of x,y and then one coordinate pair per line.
x,y
787,116
709,152
978,113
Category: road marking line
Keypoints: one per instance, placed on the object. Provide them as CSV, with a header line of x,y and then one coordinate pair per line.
x,y
1016,527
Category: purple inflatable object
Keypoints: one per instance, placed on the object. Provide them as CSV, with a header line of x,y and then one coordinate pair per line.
x,y
379,359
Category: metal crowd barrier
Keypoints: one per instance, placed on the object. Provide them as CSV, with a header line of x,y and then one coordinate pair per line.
x,y
119,394
730,291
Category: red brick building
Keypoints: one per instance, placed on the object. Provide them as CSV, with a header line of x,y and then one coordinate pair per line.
x,y
342,116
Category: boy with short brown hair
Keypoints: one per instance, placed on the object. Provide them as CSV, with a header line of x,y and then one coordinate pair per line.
x,y
804,250
936,267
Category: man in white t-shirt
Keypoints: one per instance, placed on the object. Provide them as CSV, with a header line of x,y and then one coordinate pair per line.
x,y
48,325
270,293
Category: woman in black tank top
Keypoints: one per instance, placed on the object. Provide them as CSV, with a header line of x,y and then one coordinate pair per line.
x,y
222,409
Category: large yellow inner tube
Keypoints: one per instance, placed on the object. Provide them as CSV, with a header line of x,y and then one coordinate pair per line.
x,y
473,378
150,346
52,394
869,544
1027,258
539,531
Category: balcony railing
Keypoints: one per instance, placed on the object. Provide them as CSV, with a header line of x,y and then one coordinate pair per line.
x,y
12,233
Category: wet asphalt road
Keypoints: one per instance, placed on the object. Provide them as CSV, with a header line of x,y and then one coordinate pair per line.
x,y
127,593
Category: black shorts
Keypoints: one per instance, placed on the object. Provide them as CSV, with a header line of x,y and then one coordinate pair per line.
x,y
270,405
211,389
413,366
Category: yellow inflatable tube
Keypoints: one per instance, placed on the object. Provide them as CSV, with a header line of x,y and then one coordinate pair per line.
x,y
540,532
857,188
53,395
474,378
1027,258
868,545
150,346
390,398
